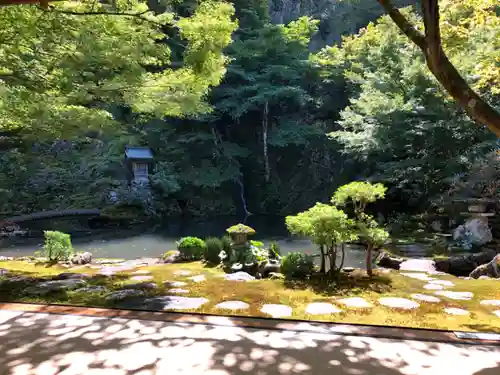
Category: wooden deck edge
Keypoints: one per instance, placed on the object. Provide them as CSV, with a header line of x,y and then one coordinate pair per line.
x,y
384,332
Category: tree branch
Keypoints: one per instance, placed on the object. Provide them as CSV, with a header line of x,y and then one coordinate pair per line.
x,y
406,27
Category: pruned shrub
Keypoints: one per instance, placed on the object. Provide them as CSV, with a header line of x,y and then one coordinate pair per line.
x,y
213,248
191,248
57,246
297,265
274,250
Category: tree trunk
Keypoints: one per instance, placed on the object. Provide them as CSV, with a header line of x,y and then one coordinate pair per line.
x,y
265,122
440,66
343,257
369,260
322,268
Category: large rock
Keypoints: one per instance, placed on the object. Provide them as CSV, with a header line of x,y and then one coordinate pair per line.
x,y
463,265
82,258
491,269
476,231
387,260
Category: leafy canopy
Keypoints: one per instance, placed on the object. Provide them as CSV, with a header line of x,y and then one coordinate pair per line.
x,y
359,193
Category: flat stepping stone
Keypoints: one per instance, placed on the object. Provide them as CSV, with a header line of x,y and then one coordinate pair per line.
x,y
277,311
421,265
321,308
425,298
91,289
356,302
174,283
141,272
464,296
177,302
141,278
239,276
198,278
123,294
490,302
143,285
182,273
442,282
497,313
433,287
456,311
233,305
418,276
398,303
179,291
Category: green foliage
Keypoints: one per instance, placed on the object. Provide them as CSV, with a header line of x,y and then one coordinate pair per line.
x,y
257,244
298,265
359,194
191,248
274,250
213,248
57,246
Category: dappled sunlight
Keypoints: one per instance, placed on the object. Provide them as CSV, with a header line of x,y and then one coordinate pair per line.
x,y
49,344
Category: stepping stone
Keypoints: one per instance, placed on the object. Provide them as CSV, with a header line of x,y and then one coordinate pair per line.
x,y
398,303
143,285
465,296
425,298
174,283
3,272
55,286
383,270
141,278
239,276
141,272
198,278
69,275
418,276
433,287
95,267
465,277
179,291
497,313
442,282
321,308
109,261
233,305
123,294
455,311
356,302
91,289
490,302
276,311
421,265
182,273
176,302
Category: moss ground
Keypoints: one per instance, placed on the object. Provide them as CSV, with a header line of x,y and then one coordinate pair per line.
x,y
297,294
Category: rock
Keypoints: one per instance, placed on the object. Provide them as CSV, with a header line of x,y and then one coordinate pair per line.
x,y
445,283
464,296
386,260
425,298
490,302
198,278
398,303
490,269
109,261
3,271
433,287
174,283
418,276
421,265
82,258
91,289
356,302
141,278
463,265
239,276
55,286
276,311
497,313
123,294
71,275
5,259
321,308
143,285
233,305
276,276
173,257
273,266
484,278
175,303
474,230
455,311
348,269
178,291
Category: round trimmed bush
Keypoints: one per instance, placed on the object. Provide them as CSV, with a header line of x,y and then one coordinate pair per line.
x,y
297,265
191,248
213,248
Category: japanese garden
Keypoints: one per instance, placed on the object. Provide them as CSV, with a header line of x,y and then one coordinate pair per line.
x,y
332,160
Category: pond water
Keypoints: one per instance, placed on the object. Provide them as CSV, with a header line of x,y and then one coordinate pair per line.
x,y
154,241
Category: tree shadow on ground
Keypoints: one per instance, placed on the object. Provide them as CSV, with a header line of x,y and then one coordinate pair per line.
x,y
355,282
35,343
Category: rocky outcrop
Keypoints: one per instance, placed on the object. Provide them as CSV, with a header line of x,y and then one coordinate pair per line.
x,y
82,258
475,231
387,260
463,265
491,269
